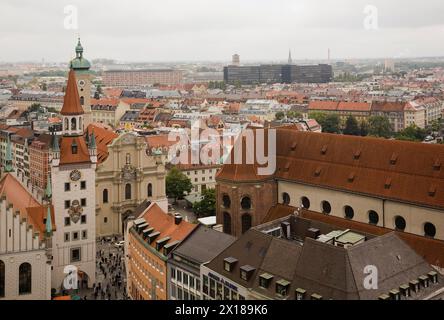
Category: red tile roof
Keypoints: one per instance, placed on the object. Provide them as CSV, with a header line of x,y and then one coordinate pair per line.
x,y
104,137
66,154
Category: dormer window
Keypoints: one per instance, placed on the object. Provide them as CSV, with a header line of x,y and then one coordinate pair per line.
x,y
246,272
433,276
282,287
405,290
393,159
316,296
74,147
229,264
300,294
394,294
324,149
265,280
414,286
424,281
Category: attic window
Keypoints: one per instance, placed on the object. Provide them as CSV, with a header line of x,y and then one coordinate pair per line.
x,y
229,263
432,191
265,279
246,272
282,287
405,290
357,155
437,165
388,183
300,294
393,159
317,172
293,146
324,149
316,296
351,177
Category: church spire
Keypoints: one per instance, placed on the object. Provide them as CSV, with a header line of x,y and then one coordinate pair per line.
x,y
79,50
48,225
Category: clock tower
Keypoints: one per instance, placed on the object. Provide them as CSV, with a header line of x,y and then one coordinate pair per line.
x,y
81,67
73,164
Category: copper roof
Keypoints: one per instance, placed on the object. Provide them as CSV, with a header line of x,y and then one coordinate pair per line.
x,y
71,103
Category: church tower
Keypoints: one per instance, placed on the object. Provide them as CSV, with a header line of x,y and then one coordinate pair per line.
x,y
73,164
81,67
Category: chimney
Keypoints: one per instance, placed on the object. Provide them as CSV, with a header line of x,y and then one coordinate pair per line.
x,y
285,226
313,233
177,219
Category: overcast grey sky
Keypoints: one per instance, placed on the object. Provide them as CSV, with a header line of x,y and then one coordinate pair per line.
x,y
178,30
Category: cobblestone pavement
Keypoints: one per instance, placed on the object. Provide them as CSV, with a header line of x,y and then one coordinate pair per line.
x,y
110,274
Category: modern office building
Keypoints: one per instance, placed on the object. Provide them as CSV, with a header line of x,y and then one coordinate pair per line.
x,y
321,73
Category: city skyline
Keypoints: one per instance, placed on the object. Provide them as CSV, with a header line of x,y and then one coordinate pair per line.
x,y
163,32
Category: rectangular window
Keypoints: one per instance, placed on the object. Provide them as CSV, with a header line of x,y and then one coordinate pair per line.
x,y
173,273
67,204
212,288
191,282
185,295
83,219
76,255
84,234
67,221
75,236
67,186
173,291
83,202
179,294
82,185
205,285
198,284
66,236
179,276
185,279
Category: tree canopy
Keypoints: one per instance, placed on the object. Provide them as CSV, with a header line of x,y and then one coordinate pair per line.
x,y
177,183
379,126
207,206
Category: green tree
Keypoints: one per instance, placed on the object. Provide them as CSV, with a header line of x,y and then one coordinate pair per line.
x,y
351,126
294,115
44,86
207,206
177,183
99,89
279,115
332,124
412,133
363,128
379,126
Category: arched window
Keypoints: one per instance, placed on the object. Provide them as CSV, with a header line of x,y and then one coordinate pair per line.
x,y
82,100
246,203
400,223
226,201
227,223
128,191
150,190
373,217
326,207
25,278
66,124
429,230
286,198
246,222
305,203
349,213
2,279
73,123
105,196
80,124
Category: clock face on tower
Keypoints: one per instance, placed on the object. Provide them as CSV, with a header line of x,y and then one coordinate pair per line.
x,y
82,83
75,175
